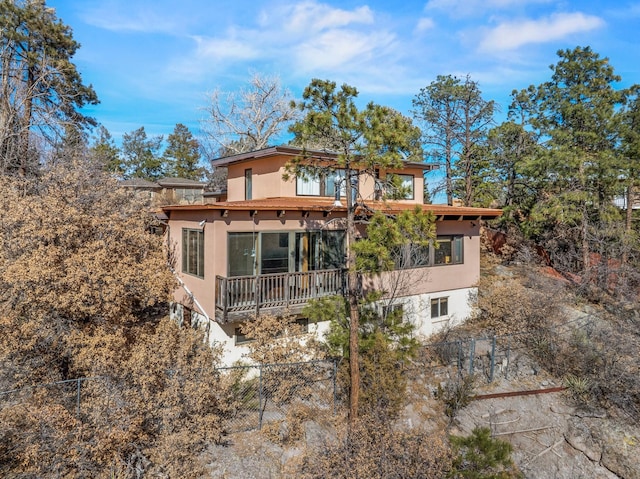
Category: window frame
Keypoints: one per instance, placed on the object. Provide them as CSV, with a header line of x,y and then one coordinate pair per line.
x,y
404,178
248,184
432,255
439,302
193,265
326,185
457,250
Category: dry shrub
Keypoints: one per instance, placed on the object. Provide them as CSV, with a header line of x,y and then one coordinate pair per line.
x,y
279,339
506,306
456,394
81,281
152,412
290,429
376,449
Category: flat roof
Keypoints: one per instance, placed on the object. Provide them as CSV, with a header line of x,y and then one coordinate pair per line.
x,y
327,204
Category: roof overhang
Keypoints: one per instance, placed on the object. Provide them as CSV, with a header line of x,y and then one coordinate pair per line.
x,y
325,205
294,151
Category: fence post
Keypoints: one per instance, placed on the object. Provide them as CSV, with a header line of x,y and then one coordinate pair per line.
x,y
506,370
472,352
260,397
335,384
78,382
493,358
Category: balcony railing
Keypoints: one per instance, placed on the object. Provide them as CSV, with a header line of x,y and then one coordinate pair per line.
x,y
252,294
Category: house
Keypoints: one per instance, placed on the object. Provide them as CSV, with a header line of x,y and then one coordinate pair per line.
x,y
275,244
167,190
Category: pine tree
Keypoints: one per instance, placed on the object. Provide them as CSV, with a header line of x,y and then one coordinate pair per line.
x,y
456,119
182,155
575,112
41,91
364,141
479,456
106,153
141,155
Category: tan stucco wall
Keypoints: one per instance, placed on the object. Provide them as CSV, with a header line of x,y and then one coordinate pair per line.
x,y
267,181
419,281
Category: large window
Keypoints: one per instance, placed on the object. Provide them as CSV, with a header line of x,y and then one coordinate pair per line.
x,y
267,252
321,185
242,254
400,186
316,250
412,255
193,252
449,250
274,257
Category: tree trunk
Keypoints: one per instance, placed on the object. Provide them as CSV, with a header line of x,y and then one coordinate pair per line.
x,y
354,313
26,120
628,223
629,212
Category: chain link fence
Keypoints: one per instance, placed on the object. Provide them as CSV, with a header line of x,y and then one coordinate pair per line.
x,y
504,356
263,393
253,395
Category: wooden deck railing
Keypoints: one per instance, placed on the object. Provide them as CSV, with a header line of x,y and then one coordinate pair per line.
x,y
251,294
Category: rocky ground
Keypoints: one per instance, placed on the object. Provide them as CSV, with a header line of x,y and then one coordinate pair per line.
x,y
552,438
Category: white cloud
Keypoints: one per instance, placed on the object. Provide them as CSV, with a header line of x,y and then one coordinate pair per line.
x,y
309,17
512,35
341,49
129,18
306,38
471,7
224,48
424,24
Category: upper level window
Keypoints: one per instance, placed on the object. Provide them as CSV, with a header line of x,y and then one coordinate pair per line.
x,y
193,252
248,184
400,186
321,185
189,195
449,250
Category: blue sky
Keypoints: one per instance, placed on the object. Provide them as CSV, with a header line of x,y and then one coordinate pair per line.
x,y
152,62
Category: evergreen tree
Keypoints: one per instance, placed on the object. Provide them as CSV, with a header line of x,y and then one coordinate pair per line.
x,y
364,141
509,147
385,342
41,92
456,119
575,113
182,155
479,456
141,155
106,153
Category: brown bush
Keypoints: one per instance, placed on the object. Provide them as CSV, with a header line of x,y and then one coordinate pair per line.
x,y
375,449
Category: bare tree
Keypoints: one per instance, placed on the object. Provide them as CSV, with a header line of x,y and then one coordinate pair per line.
x,y
248,119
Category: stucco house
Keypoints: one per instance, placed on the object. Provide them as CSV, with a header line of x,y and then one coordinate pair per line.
x,y
275,244
167,190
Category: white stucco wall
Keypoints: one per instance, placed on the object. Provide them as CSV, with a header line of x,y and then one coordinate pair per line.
x,y
416,309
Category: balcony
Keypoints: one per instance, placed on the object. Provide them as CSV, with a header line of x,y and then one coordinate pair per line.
x,y
240,296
